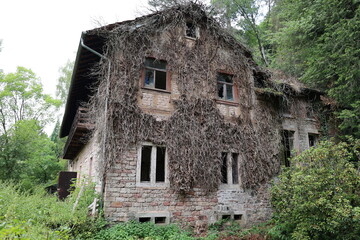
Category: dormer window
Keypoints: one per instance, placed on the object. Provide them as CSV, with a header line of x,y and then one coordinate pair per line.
x,y
155,74
225,87
191,30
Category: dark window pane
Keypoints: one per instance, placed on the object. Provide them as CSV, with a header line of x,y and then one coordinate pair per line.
x,y
312,140
190,30
227,217
287,144
160,80
222,77
224,168
237,217
144,219
145,164
220,90
229,92
154,63
149,78
160,164
235,169
160,220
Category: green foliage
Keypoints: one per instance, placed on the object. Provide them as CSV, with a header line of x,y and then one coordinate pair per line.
x,y
22,98
28,155
64,80
318,197
37,215
318,41
148,231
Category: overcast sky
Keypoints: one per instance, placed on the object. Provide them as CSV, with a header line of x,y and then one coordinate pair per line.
x,y
43,34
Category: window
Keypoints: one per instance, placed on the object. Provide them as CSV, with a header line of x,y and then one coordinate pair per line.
x,y
288,146
152,165
225,87
155,74
191,30
229,168
157,217
312,139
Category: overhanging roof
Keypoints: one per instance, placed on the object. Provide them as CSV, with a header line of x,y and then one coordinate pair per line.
x,y
83,79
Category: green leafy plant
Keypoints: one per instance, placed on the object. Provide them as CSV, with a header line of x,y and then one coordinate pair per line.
x,y
318,197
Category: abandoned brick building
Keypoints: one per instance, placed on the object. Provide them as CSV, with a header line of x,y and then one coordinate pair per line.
x,y
174,121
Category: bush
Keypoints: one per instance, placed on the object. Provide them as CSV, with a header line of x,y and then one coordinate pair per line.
x,y
37,215
318,197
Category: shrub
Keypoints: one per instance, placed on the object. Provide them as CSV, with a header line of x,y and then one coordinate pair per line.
x,y
37,215
318,197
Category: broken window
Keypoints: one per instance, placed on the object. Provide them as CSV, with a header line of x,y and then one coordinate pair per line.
x,y
152,165
155,74
191,30
288,146
225,87
229,168
312,139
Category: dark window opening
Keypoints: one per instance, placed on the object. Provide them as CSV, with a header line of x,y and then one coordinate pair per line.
x,y
144,219
225,87
237,217
312,140
287,143
155,74
160,220
145,164
190,30
227,217
235,170
160,164
224,178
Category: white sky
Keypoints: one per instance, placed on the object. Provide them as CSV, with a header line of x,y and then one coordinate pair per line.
x,y
43,34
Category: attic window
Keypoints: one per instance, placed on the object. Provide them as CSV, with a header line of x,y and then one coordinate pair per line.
x,y
155,74
191,30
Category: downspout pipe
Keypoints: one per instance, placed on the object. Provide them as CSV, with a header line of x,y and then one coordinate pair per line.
x,y
103,180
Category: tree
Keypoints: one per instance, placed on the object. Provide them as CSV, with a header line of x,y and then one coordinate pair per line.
x,y
22,97
318,41
28,155
158,5
63,85
246,14
318,197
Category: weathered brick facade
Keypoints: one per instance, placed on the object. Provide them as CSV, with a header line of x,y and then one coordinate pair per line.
x,y
126,197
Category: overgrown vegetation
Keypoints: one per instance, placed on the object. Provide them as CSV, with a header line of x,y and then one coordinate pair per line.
x,y
37,215
318,197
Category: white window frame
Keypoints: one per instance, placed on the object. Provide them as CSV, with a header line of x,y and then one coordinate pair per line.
x,y
152,182
229,164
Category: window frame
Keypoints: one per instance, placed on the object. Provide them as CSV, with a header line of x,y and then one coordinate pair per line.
x,y
154,69
196,31
229,169
153,162
288,145
233,85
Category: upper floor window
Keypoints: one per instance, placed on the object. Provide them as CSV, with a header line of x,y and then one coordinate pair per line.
x,y
229,168
225,87
155,74
152,165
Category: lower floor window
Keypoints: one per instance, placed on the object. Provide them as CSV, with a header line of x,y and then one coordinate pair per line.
x,y
229,168
152,164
